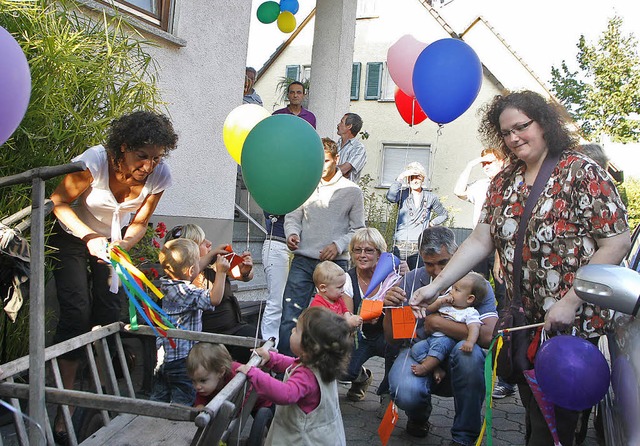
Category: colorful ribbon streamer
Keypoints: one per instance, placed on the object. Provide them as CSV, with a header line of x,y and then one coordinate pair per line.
x,y
490,381
132,280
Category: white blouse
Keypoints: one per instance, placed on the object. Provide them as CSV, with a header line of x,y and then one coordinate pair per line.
x,y
98,208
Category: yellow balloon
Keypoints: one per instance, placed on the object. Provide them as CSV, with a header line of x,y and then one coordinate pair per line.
x,y
286,22
238,125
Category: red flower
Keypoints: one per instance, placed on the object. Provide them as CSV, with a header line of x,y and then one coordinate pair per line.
x,y
555,259
526,254
594,188
154,272
161,229
155,243
597,222
517,209
568,278
555,189
560,204
496,199
605,188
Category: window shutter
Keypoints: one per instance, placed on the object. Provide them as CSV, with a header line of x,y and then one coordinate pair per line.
x,y
293,72
355,81
374,80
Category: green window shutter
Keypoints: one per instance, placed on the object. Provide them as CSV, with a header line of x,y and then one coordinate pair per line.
x,y
355,81
374,80
293,72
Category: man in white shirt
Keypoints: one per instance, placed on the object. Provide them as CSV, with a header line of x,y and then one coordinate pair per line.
x,y
353,155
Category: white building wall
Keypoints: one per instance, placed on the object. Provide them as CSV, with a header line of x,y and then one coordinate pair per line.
x,y
457,142
201,83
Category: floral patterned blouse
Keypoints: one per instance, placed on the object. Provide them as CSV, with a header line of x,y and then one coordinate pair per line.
x,y
578,205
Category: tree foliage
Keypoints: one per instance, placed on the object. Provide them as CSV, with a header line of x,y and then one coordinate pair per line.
x,y
603,95
85,71
632,189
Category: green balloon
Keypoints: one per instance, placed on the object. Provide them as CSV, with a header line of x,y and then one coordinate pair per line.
x,y
268,12
282,161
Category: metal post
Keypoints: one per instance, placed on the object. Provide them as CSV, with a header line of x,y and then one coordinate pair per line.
x,y
37,406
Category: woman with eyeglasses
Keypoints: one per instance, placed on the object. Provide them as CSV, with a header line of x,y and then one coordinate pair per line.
x,y
416,210
122,185
227,317
577,219
366,246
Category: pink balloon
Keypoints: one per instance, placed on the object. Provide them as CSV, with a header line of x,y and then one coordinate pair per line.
x,y
401,58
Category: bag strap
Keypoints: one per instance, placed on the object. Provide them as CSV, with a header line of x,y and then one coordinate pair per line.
x,y
543,176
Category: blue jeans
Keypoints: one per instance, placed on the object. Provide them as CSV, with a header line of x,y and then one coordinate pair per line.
x,y
465,379
171,384
368,348
298,293
437,346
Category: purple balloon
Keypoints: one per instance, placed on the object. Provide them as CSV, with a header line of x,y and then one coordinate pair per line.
x,y
572,372
15,85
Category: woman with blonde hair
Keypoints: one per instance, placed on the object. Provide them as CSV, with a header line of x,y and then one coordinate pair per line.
x,y
365,248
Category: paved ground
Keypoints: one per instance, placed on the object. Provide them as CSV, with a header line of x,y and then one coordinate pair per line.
x,y
361,423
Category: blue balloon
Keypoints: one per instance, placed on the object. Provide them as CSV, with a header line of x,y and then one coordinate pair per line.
x,y
289,5
446,79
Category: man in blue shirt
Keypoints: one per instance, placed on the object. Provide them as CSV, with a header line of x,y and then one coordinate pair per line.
x,y
465,371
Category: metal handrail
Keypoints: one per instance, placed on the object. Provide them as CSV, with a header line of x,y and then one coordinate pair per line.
x,y
251,219
37,177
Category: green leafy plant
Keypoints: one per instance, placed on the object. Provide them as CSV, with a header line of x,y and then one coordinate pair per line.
x,y
378,212
282,88
85,72
632,190
145,253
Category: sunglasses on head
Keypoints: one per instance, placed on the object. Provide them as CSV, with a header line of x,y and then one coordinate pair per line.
x,y
176,232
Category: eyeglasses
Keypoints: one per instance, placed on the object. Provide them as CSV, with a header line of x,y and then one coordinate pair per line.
x,y
517,129
176,232
367,251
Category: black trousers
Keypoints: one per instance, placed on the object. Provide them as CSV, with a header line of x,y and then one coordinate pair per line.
x,y
82,287
537,431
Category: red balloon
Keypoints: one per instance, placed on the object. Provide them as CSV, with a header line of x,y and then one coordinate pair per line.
x,y
409,108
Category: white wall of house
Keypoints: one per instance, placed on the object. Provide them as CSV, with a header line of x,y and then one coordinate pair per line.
x,y
453,146
201,69
201,83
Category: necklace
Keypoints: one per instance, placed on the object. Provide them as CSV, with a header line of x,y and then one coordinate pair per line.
x,y
364,282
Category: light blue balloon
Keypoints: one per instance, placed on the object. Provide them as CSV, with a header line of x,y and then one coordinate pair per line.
x,y
289,5
447,78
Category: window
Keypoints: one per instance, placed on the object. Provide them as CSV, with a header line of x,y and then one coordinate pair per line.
x,y
355,81
388,86
293,72
158,13
367,9
395,158
373,83
306,73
